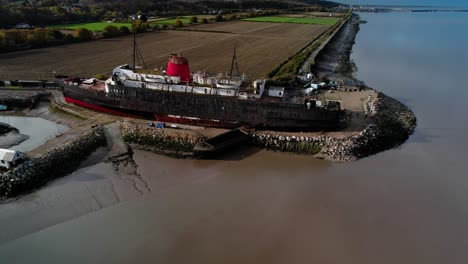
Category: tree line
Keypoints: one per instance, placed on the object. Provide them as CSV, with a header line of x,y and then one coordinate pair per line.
x,y
20,39
51,12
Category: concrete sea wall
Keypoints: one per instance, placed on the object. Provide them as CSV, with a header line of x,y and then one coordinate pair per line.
x,y
22,98
56,163
171,142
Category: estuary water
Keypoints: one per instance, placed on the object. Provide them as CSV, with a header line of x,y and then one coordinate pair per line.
x,y
406,205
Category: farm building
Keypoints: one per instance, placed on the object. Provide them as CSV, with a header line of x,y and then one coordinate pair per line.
x,y
9,158
23,26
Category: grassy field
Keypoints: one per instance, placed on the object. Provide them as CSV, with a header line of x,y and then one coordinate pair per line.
x,y
99,26
260,48
95,26
294,20
184,20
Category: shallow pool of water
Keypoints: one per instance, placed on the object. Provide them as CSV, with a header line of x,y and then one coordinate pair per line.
x,y
38,129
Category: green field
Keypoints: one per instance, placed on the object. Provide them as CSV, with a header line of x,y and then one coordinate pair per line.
x,y
95,26
99,26
294,20
184,20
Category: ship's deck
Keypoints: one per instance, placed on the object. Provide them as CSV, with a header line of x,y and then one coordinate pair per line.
x,y
99,86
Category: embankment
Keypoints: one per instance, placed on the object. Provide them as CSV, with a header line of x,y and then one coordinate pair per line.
x,y
22,98
334,59
171,142
57,162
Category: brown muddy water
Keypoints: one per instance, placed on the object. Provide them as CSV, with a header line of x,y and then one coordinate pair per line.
x,y
406,205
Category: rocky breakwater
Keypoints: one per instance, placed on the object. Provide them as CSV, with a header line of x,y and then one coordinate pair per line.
x,y
57,162
172,142
390,123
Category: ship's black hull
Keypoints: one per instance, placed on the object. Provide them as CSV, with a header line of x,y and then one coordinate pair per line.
x,y
205,110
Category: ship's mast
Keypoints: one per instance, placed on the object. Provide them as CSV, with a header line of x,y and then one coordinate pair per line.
x,y
136,51
137,57
234,63
134,47
134,33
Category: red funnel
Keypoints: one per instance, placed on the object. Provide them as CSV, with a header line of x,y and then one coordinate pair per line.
x,y
178,66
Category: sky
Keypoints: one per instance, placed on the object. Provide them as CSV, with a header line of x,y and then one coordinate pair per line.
x,y
448,3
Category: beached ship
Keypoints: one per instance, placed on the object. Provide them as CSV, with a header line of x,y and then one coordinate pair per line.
x,y
179,96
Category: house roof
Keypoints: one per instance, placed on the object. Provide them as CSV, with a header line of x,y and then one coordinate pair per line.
x,y
7,154
350,82
276,88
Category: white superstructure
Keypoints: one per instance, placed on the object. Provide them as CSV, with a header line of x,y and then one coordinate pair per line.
x,y
201,83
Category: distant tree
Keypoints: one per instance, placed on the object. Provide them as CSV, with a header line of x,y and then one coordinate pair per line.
x,y
14,37
124,30
69,38
2,41
233,17
101,76
204,20
194,20
39,37
111,31
58,34
139,26
83,34
164,26
179,23
219,18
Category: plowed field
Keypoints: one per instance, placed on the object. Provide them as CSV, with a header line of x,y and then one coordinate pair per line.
x,y
260,46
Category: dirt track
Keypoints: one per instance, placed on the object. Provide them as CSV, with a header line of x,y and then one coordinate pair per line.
x,y
261,46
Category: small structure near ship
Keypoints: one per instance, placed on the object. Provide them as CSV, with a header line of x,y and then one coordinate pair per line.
x,y
23,26
352,85
220,143
10,158
275,91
